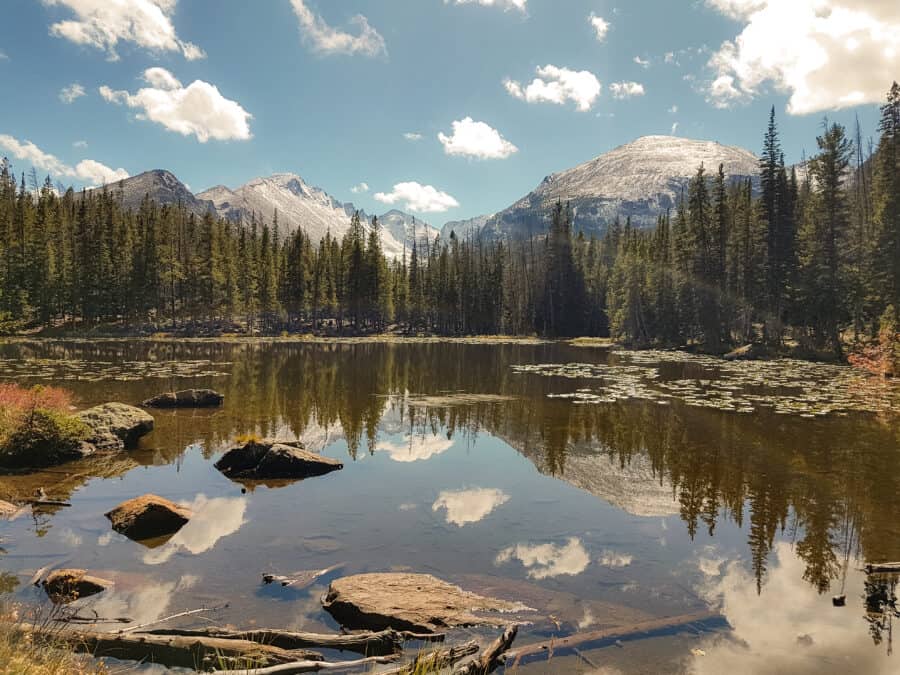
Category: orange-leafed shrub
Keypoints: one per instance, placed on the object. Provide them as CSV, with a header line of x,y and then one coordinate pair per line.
x,y
36,426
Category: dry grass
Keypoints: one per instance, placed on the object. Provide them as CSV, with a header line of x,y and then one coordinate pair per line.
x,y
22,654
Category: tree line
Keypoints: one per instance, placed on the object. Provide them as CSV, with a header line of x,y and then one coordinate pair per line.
x,y
807,252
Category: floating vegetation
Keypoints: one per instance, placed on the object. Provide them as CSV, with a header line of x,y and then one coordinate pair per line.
x,y
448,399
97,371
785,386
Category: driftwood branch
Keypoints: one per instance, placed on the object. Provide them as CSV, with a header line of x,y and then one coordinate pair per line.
x,y
491,657
618,633
309,667
882,568
132,629
436,660
298,579
172,651
372,644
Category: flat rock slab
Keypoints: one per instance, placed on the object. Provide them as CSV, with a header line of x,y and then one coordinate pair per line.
x,y
186,398
148,517
414,602
115,426
68,585
267,459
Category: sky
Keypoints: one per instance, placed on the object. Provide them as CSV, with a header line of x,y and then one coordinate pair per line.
x,y
445,108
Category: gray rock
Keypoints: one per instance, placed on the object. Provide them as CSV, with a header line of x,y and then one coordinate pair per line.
x,y
187,398
415,602
115,426
268,459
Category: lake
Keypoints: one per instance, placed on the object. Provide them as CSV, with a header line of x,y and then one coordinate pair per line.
x,y
602,488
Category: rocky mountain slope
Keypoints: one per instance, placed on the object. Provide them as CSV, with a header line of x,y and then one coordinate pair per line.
x,y
163,187
640,179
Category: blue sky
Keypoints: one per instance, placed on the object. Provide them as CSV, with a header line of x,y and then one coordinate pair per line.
x,y
223,91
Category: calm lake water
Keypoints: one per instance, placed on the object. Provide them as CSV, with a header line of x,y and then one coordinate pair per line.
x,y
600,487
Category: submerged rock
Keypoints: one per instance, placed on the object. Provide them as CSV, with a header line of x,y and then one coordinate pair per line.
x,y
148,517
187,398
402,601
114,426
268,459
63,586
7,510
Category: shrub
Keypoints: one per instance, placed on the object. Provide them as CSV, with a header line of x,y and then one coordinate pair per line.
x,y
36,426
882,357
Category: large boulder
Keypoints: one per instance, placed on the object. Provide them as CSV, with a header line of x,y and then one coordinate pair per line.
x,y
187,398
414,602
115,426
148,517
63,586
268,459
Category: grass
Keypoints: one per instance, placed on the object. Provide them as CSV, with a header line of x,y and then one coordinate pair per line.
x,y
22,654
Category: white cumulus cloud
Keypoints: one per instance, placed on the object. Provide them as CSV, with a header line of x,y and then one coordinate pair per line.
x,y
413,448
198,109
81,145
419,198
73,91
476,139
88,171
643,63
469,506
825,54
360,188
626,89
412,136
505,5
615,559
558,85
105,23
601,26
548,560
326,39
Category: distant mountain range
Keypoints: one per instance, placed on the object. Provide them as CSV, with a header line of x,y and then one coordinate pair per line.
x,y
639,180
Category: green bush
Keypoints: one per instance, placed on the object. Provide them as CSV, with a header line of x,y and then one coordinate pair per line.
x,y
42,437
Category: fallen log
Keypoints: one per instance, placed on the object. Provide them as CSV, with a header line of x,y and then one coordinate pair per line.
x,y
432,662
617,633
200,610
882,568
309,667
491,657
172,651
381,643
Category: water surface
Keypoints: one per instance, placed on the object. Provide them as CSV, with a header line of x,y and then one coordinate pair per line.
x,y
602,488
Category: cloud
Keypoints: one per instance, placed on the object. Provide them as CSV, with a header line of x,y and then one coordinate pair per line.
x,y
669,57
558,85
326,39
615,559
476,139
417,197
88,171
643,63
548,560
198,109
146,23
81,145
213,519
673,110
413,136
469,506
73,91
413,448
360,188
601,26
674,129
825,54
622,90
505,5
3,56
